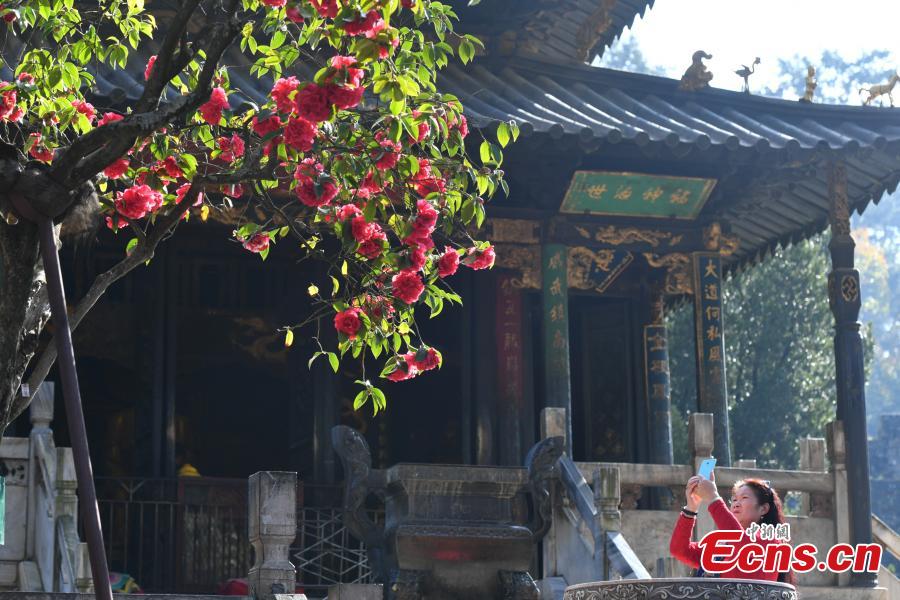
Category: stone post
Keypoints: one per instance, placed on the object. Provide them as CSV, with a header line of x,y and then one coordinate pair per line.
x,y
41,415
607,496
272,505
812,458
553,424
84,582
844,298
701,439
834,432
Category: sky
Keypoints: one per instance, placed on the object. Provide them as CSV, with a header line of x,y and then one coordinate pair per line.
x,y
735,32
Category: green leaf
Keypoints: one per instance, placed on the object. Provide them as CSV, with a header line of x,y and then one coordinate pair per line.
x,y
503,134
132,244
333,359
360,400
484,151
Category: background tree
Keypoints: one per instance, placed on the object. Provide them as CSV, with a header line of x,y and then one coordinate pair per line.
x,y
382,189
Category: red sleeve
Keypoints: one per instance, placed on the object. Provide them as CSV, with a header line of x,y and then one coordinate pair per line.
x,y
681,546
723,517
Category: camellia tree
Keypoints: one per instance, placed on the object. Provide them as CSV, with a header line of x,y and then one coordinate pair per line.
x,y
363,165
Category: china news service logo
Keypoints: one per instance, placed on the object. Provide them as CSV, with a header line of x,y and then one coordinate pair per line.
x,y
769,550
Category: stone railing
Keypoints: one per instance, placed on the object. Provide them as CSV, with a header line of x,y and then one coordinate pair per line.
x,y
42,551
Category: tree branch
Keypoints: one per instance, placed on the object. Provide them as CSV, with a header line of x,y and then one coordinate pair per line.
x,y
95,150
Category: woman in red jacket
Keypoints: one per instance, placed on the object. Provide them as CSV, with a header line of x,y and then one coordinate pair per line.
x,y
752,501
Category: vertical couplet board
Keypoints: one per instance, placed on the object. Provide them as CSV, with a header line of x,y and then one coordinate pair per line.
x,y
656,365
555,289
710,340
510,370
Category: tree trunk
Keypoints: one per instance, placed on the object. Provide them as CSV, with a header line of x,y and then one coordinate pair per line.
x,y
23,311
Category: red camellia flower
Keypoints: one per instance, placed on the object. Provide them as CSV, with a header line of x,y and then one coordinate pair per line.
x,y
389,154
7,102
424,224
232,148
234,191
313,103
148,70
137,201
369,25
448,263
171,168
417,257
211,111
425,359
182,190
10,16
266,126
362,230
293,14
26,78
281,93
407,286
274,3
257,242
116,169
373,247
325,8
405,369
38,151
348,322
85,108
348,211
300,134
484,259
344,97
316,193
109,117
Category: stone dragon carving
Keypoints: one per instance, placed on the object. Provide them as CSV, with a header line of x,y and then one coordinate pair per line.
x,y
542,473
356,459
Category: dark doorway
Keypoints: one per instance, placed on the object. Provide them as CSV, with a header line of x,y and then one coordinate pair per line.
x,y
603,371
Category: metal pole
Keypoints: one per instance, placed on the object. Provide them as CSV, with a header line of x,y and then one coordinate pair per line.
x,y
74,414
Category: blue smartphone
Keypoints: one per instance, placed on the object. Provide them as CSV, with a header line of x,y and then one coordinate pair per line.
x,y
706,468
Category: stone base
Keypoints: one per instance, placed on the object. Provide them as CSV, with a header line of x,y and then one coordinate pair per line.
x,y
356,591
552,588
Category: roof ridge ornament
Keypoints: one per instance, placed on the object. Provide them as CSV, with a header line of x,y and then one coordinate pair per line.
x,y
880,90
697,76
811,84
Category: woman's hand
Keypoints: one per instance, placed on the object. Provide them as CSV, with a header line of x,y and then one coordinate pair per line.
x,y
706,488
690,493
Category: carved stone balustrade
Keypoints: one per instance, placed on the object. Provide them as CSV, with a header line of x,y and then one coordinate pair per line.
x,y
697,588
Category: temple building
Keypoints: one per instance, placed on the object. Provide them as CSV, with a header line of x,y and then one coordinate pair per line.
x,y
628,194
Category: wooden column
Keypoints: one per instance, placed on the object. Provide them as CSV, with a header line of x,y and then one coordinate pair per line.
x,y
844,299
555,288
656,368
712,395
510,384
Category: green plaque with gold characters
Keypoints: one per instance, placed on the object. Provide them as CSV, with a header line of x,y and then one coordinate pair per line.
x,y
636,195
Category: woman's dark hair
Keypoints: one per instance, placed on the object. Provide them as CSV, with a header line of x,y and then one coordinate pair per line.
x,y
766,494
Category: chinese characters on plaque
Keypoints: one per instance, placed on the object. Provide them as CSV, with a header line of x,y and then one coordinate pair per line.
x,y
556,321
709,328
510,380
